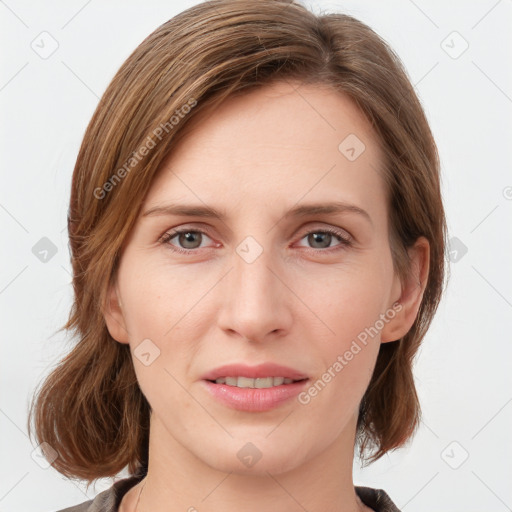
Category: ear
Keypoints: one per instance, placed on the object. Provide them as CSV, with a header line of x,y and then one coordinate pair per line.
x,y
114,317
409,293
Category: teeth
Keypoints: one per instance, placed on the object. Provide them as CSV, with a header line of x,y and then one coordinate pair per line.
x,y
245,382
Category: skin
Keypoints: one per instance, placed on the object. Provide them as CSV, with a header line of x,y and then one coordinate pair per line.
x,y
300,303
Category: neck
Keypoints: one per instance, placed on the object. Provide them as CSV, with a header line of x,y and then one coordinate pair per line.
x,y
178,480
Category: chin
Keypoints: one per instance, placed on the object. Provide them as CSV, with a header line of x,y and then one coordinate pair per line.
x,y
254,455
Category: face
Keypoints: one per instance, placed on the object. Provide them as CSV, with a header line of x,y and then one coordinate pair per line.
x,y
261,283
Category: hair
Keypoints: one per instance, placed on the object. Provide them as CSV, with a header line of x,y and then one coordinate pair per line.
x,y
90,408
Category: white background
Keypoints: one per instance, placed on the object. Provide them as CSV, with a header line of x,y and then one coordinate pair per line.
x,y
463,369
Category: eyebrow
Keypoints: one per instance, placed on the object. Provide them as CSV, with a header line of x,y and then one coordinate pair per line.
x,y
303,210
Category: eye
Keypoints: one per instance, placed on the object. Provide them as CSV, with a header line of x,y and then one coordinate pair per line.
x,y
324,237
189,239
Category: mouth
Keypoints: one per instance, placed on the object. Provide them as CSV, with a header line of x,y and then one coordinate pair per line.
x,y
256,383
244,375
243,393
254,388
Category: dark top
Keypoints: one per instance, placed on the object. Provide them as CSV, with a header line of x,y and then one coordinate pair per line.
x,y
108,501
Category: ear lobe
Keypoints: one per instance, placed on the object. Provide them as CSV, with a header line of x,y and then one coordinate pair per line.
x,y
411,293
114,318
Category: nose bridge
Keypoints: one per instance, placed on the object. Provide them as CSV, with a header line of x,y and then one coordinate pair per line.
x,y
255,297
252,278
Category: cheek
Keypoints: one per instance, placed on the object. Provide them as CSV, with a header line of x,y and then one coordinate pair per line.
x,y
349,353
156,301
346,300
163,305
349,307
156,297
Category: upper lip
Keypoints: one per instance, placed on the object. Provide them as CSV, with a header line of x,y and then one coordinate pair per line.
x,y
254,372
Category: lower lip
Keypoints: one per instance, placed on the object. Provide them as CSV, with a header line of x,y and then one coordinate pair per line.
x,y
254,399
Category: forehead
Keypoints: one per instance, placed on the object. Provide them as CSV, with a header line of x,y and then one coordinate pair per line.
x,y
303,117
281,139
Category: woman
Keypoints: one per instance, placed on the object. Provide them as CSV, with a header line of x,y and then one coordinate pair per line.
x,y
257,238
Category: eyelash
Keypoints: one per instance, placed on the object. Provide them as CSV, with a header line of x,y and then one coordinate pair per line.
x,y
345,242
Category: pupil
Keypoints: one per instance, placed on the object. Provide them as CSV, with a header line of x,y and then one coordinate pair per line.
x,y
315,237
188,238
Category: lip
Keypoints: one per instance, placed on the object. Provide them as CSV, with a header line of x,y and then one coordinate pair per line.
x,y
254,399
254,372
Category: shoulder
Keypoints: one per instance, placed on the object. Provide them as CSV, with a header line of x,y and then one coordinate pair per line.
x,y
377,499
103,502
108,500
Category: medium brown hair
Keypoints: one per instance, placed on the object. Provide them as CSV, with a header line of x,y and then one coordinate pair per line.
x,y
90,409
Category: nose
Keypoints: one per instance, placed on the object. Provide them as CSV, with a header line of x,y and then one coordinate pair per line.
x,y
257,300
